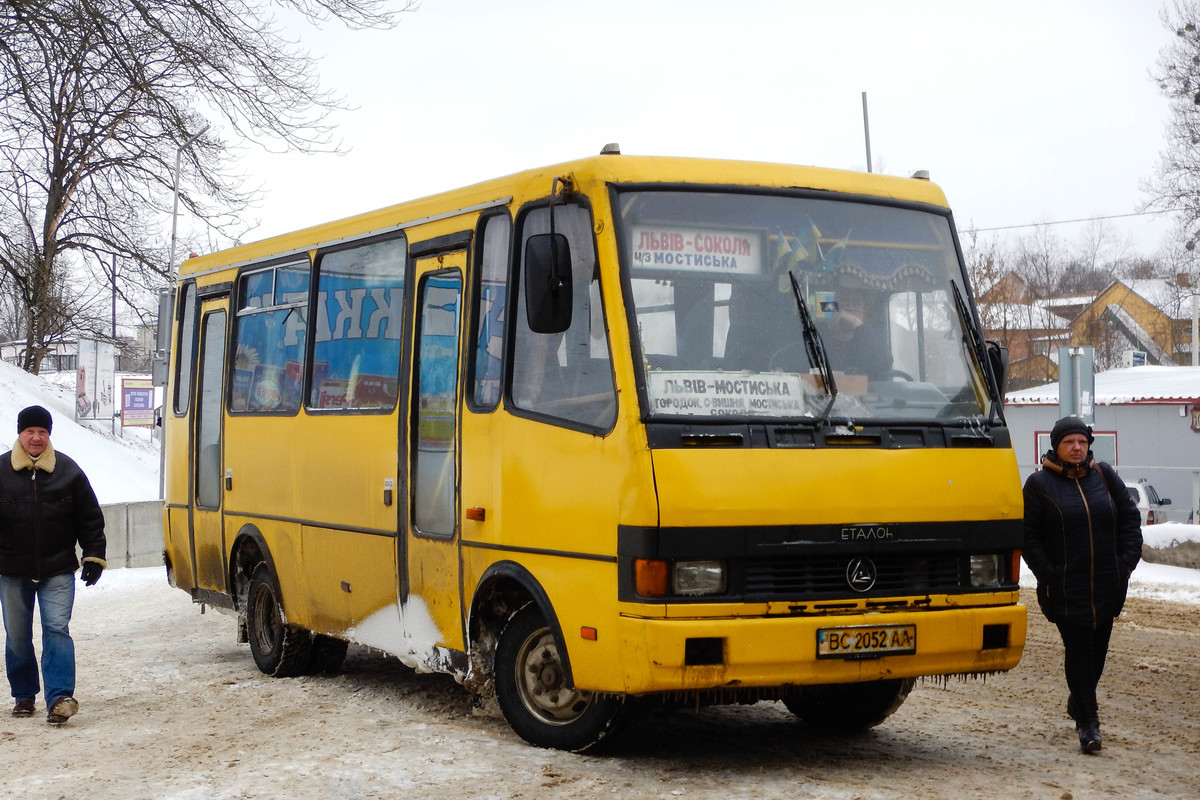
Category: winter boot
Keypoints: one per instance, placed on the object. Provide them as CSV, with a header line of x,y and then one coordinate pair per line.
x,y
1088,726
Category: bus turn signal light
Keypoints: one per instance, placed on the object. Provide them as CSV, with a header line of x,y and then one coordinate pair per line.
x,y
651,575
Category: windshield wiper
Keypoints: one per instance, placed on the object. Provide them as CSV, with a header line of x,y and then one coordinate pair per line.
x,y
979,348
815,347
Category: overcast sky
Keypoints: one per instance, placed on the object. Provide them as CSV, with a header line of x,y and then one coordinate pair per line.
x,y
1022,111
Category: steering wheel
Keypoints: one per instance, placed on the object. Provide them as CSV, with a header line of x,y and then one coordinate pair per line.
x,y
782,351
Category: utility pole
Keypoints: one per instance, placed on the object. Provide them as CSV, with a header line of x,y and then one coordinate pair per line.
x,y
867,131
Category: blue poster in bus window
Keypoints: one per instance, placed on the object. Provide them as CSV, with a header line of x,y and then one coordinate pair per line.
x,y
266,373
291,283
358,330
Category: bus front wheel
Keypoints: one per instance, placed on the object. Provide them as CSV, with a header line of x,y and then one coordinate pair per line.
x,y
537,700
279,649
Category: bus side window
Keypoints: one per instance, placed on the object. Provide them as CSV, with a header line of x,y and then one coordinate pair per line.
x,y
359,323
208,411
269,338
434,457
185,352
491,293
566,375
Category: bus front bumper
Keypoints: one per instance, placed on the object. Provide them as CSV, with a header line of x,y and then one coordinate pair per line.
x,y
671,655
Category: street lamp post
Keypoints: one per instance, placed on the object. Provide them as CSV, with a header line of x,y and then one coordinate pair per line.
x,y
175,186
162,436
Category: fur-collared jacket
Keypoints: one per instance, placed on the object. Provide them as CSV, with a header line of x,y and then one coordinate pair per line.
x,y
1083,538
46,506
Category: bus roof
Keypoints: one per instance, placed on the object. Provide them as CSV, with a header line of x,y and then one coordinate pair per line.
x,y
603,169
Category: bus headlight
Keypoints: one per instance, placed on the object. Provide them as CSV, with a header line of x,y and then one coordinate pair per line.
x,y
985,570
694,578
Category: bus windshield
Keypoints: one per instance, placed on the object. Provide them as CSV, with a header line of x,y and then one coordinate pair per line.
x,y
721,284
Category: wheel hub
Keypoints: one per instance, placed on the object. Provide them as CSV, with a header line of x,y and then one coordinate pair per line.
x,y
544,690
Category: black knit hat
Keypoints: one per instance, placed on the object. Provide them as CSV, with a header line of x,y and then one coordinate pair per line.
x,y
1065,427
34,417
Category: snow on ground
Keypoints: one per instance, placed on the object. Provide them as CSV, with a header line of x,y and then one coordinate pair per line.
x,y
1159,581
1170,533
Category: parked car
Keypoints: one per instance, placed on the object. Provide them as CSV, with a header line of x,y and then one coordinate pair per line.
x,y
1148,501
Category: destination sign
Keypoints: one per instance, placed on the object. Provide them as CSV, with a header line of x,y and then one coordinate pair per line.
x,y
725,393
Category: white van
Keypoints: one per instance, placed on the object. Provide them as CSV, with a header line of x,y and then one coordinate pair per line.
x,y
1148,501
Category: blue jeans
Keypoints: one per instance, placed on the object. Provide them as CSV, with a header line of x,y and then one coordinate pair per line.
x,y
55,599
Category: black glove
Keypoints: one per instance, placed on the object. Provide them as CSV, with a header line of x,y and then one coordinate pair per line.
x,y
91,573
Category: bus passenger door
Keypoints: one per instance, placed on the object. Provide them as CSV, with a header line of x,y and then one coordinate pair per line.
x,y
207,484
432,562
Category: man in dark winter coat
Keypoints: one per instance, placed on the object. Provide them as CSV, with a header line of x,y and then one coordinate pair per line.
x,y
1083,538
47,506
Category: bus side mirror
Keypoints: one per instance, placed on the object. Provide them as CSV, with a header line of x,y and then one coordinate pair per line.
x,y
548,283
998,356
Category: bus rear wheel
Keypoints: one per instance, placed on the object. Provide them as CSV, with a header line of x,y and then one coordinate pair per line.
x,y
326,654
849,707
537,700
279,649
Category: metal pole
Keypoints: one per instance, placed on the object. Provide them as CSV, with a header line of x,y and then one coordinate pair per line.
x,y
1195,327
867,131
1195,516
175,187
1076,360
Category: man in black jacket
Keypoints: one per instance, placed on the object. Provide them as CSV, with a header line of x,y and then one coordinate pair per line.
x,y
1083,538
47,506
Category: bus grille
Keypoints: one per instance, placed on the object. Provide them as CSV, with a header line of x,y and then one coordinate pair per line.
x,y
796,578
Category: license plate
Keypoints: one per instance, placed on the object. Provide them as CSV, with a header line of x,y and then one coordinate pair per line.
x,y
866,641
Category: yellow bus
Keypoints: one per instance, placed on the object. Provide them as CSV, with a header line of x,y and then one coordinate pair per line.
x,y
619,431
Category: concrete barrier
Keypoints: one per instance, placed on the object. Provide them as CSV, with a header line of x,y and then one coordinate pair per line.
x,y
135,534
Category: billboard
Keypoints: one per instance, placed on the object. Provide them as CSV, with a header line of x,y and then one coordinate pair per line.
x,y
95,391
137,403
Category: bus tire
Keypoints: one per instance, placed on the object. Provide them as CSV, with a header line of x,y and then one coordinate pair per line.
x,y
279,649
534,696
326,654
849,707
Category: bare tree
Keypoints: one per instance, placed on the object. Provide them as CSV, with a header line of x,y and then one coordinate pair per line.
x,y
1176,183
1099,248
97,98
1040,258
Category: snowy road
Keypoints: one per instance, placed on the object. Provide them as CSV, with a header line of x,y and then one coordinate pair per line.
x,y
172,709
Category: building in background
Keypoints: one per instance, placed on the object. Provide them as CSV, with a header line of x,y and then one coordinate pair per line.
x,y
1147,425
1152,317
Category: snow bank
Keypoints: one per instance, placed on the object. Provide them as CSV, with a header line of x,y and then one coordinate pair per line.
x,y
1170,533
